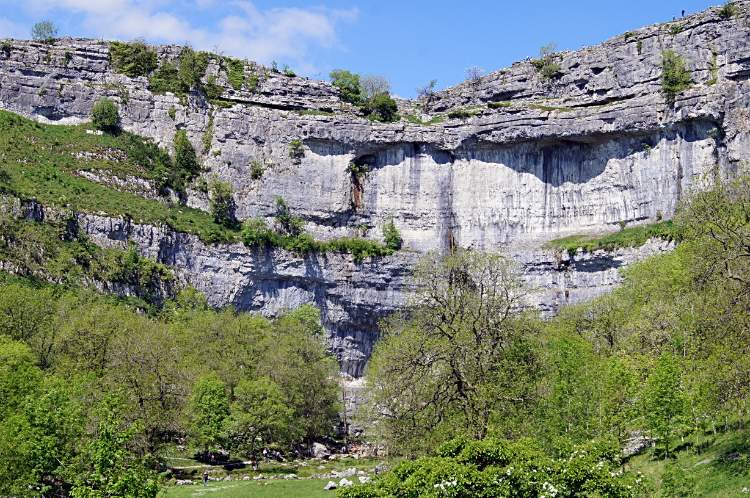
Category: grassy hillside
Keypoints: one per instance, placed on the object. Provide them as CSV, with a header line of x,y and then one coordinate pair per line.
x,y
48,163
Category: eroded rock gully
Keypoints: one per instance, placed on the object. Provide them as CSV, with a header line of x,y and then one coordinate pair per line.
x,y
571,155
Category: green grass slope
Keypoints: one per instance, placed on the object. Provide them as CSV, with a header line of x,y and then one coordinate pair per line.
x,y
47,163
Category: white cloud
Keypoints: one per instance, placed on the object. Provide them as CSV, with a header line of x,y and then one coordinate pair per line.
x,y
284,34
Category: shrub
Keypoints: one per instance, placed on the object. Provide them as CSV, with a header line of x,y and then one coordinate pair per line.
x,y
358,170
728,10
545,65
236,75
166,79
385,107
288,224
68,57
498,105
222,202
6,46
473,73
193,66
348,84
295,149
172,112
286,70
104,115
211,90
459,114
256,170
391,235
427,90
208,136
184,156
44,31
133,58
675,75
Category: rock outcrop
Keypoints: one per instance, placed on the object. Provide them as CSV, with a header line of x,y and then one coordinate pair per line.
x,y
576,153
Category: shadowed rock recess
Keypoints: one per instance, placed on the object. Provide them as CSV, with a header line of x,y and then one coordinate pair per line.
x,y
577,153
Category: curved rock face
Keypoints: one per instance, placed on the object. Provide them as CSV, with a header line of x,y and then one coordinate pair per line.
x,y
597,145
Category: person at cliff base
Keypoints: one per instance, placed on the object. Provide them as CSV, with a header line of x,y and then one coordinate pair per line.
x,y
205,478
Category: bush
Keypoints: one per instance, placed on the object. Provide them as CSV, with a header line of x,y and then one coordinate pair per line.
x,y
459,114
385,108
348,84
675,75
44,31
256,170
295,149
236,75
498,105
184,157
288,224
728,10
133,58
104,115
391,235
6,46
222,202
545,65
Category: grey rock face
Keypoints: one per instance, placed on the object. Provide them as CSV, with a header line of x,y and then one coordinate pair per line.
x,y
575,154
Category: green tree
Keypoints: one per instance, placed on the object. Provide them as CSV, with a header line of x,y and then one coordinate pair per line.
x,y
348,84
185,159
104,115
44,31
675,75
259,417
385,108
288,224
222,202
38,442
108,468
133,58
460,359
209,406
391,235
664,400
297,360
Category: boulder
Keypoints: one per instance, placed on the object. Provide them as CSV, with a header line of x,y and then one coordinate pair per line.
x,y
319,451
331,485
363,479
345,482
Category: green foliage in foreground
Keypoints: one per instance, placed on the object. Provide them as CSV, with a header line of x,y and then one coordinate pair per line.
x,y
495,467
665,356
93,391
629,237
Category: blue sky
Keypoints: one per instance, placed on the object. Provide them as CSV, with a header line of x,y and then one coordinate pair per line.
x,y
409,42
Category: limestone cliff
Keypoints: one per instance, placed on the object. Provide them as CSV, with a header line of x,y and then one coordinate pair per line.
x,y
577,153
